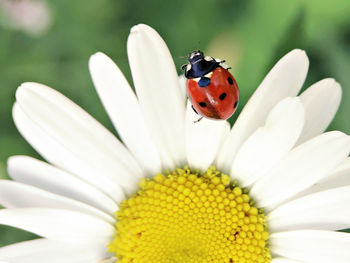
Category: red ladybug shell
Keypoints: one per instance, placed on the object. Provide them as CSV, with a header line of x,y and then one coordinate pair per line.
x,y
214,95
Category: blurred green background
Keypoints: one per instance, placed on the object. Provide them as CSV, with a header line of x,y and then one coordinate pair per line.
x,y
250,34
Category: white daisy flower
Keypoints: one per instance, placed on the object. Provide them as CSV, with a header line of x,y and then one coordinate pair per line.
x,y
157,197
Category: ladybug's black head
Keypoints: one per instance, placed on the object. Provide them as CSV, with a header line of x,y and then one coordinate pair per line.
x,y
199,65
195,56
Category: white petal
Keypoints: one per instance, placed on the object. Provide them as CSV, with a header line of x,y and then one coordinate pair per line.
x,y
340,171
124,110
79,133
337,178
182,80
284,260
45,250
18,195
312,246
227,131
270,143
33,172
108,260
321,102
328,210
59,224
284,80
203,139
57,153
158,89
301,168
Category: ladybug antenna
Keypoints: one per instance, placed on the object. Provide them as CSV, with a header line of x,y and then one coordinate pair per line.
x,y
199,45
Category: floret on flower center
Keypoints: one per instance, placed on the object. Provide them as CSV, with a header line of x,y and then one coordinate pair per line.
x,y
185,216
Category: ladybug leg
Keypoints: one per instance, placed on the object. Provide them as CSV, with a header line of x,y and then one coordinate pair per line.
x,y
194,109
196,113
198,120
221,61
224,65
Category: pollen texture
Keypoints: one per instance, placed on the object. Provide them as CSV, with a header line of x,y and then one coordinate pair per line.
x,y
188,217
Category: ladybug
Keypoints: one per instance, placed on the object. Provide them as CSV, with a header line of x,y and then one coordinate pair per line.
x,y
211,88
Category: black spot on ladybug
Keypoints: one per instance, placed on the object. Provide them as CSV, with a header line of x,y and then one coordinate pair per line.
x,y
202,104
236,103
204,82
230,80
222,96
194,109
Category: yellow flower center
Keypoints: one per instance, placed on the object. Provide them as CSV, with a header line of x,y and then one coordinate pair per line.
x,y
187,217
